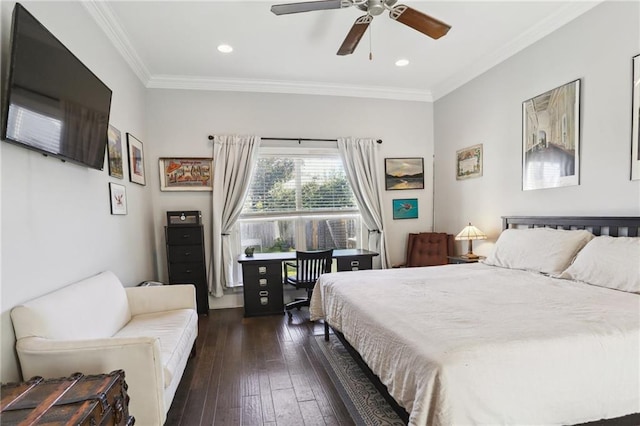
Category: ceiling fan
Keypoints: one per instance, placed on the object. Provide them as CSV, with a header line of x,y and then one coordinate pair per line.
x,y
401,13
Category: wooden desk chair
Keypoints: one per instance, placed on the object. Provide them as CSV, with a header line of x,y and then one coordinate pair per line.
x,y
309,265
428,249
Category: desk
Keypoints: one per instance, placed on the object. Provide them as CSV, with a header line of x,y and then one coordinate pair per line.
x,y
263,277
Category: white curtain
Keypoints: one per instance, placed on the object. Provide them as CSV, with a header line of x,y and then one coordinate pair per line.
x,y
360,160
234,159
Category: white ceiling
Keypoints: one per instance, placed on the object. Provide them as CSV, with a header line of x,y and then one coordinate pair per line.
x,y
172,44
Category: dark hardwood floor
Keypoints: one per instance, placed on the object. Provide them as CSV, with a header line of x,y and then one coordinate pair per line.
x,y
256,371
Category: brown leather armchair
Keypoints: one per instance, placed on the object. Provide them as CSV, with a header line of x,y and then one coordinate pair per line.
x,y
428,249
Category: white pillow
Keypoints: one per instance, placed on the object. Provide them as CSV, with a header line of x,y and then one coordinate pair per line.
x,y
612,262
545,250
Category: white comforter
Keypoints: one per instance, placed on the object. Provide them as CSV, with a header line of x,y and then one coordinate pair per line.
x,y
476,344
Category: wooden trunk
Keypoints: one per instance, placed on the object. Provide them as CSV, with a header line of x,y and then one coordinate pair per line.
x,y
76,400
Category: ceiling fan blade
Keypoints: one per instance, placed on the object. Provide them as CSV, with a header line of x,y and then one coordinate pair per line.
x,y
284,9
419,21
355,34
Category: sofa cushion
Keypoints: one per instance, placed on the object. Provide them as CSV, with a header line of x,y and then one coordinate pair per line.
x,y
175,329
96,307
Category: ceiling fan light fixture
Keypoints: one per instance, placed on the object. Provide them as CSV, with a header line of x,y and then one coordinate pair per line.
x,y
375,7
225,48
402,62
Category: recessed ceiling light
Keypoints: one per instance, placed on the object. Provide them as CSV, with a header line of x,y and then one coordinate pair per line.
x,y
402,62
225,48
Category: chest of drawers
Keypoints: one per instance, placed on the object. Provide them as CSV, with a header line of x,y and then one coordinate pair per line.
x,y
186,260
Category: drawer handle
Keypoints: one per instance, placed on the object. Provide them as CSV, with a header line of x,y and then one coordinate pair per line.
x,y
355,262
188,271
264,300
264,293
187,253
262,270
185,236
262,282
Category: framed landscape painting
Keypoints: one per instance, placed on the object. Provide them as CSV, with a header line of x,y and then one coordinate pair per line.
x,y
551,138
635,120
403,173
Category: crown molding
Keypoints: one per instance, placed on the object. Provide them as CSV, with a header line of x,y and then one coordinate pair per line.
x,y
106,19
298,88
563,16
104,16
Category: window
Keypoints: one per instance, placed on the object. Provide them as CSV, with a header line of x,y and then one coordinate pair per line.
x,y
299,201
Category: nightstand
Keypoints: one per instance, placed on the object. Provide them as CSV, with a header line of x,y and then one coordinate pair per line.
x,y
459,259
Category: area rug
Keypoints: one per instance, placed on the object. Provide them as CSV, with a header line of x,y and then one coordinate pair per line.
x,y
364,402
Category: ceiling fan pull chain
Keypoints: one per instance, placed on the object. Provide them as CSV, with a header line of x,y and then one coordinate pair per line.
x,y
370,52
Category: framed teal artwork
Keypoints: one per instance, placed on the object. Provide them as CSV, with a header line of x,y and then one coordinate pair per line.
x,y
405,208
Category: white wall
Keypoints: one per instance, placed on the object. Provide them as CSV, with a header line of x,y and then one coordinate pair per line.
x,y
597,47
56,221
179,122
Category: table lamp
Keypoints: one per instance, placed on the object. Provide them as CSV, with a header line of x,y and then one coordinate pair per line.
x,y
471,233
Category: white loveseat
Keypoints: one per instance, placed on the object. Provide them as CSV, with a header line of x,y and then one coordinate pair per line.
x,y
96,326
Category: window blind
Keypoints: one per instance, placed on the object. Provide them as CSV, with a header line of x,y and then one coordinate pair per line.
x,y
296,184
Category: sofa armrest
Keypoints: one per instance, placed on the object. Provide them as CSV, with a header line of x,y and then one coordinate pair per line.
x,y
146,300
139,357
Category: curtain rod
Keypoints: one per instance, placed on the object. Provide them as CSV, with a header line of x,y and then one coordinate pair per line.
x,y
299,140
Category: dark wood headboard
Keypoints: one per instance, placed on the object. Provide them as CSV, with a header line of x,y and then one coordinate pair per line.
x,y
598,225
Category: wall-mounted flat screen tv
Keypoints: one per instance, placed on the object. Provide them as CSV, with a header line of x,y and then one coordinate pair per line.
x,y
54,104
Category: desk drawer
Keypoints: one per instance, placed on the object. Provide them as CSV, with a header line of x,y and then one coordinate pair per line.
x,y
260,275
263,302
354,263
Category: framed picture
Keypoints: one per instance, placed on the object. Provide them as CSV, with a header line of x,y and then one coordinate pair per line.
x,y
403,173
114,152
406,208
469,162
635,120
551,138
118,195
136,160
186,174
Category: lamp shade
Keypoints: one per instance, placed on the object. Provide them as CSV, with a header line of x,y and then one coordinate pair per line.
x,y
470,232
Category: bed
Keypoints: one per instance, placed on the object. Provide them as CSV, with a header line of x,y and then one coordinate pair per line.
x,y
530,336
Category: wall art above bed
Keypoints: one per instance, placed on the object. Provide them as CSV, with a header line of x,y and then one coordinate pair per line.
x,y
635,120
551,138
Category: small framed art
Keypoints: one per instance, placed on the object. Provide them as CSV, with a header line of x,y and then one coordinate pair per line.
x,y
469,162
118,196
114,151
406,208
136,160
635,120
185,174
403,173
551,138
